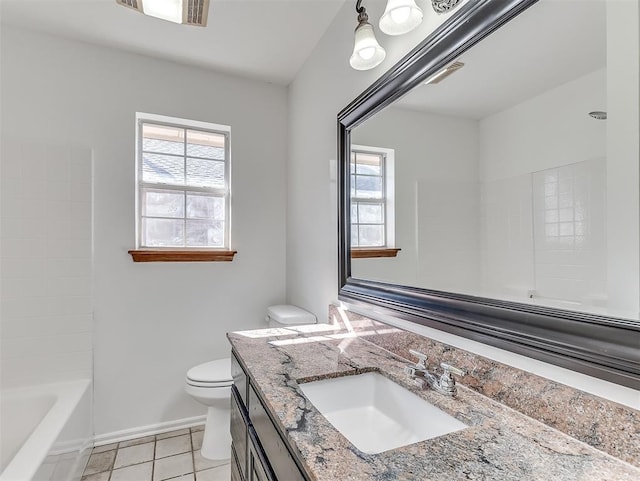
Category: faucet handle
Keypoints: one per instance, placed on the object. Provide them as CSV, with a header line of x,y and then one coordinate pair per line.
x,y
422,363
449,369
410,370
447,381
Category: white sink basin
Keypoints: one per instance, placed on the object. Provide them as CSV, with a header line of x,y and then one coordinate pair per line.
x,y
375,414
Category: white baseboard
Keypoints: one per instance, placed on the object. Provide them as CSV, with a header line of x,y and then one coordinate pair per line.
x,y
142,431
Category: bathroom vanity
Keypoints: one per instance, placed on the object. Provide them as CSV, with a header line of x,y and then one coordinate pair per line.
x,y
279,434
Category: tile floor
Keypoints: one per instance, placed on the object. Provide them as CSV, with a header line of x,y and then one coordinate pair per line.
x,y
169,456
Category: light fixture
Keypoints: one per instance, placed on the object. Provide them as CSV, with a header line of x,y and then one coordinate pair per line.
x,y
400,16
444,73
367,52
188,12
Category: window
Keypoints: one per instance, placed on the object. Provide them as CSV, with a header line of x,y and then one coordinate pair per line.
x,y
372,212
182,172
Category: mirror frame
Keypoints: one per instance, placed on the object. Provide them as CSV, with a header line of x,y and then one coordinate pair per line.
x,y
600,346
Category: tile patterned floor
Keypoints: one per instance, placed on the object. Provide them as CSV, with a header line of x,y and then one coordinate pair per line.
x,y
169,456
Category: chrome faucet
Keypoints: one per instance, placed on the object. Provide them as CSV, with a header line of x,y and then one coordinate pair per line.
x,y
444,384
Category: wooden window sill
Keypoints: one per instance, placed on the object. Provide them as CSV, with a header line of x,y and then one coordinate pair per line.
x,y
181,255
369,252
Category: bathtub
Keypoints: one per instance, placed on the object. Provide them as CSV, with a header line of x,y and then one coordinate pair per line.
x,y
45,432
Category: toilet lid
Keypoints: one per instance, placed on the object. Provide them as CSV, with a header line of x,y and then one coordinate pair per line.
x,y
290,315
212,372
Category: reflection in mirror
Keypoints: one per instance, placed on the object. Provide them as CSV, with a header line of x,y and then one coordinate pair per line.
x,y
503,180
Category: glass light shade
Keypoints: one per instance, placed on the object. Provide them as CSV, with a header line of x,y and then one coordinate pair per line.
x,y
367,52
170,10
400,16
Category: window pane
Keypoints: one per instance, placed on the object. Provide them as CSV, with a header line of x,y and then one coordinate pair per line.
x,y
368,164
368,187
205,144
162,203
206,233
202,206
354,236
371,235
205,173
370,214
353,186
565,215
566,228
354,213
162,139
162,169
162,232
369,169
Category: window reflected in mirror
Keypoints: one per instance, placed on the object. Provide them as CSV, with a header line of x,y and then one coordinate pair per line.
x,y
372,198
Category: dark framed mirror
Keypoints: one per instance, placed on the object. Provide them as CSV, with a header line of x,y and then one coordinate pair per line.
x,y
603,343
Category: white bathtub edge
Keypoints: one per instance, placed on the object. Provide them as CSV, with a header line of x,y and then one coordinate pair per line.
x,y
33,452
142,431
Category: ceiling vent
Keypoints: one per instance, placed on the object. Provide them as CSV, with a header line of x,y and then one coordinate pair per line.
x,y
194,12
135,4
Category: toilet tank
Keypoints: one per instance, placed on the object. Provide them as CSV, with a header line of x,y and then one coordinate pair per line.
x,y
287,315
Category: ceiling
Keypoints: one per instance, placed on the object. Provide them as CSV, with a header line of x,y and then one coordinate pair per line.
x,y
551,43
271,39
263,39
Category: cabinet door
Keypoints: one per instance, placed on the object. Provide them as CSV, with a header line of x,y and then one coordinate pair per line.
x,y
258,472
239,423
258,466
276,451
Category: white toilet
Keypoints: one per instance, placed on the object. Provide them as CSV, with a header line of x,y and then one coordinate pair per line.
x,y
287,315
210,384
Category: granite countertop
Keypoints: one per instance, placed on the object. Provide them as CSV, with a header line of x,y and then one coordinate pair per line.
x,y
500,444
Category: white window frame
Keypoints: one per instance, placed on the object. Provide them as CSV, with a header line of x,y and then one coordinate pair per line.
x,y
388,199
142,118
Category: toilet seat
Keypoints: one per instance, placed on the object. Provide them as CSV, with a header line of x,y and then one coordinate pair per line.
x,y
212,374
211,385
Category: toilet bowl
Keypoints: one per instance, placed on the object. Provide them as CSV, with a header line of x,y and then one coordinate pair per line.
x,y
210,384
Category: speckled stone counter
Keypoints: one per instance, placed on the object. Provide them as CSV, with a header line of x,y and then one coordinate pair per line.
x,y
499,444
603,424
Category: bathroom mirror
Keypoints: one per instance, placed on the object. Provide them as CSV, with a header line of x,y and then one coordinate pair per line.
x,y
487,161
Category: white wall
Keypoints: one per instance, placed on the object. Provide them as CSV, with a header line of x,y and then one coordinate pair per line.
x,y
506,238
436,173
154,321
623,154
46,322
546,131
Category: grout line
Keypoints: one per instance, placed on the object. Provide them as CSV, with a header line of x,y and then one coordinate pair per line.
x,y
117,449
114,462
193,456
153,461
